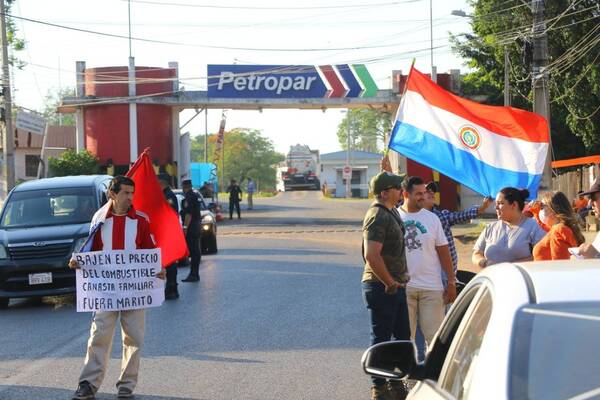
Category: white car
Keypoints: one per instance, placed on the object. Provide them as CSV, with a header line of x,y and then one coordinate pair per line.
x,y
517,331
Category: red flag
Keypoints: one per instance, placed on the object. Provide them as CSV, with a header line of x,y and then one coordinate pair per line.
x,y
164,221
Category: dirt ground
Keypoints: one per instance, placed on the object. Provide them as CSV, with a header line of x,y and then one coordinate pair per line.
x,y
464,238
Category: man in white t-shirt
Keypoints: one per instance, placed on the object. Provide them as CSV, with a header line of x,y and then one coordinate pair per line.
x,y
427,254
592,250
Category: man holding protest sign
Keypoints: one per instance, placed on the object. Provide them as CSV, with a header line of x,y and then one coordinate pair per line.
x,y
116,226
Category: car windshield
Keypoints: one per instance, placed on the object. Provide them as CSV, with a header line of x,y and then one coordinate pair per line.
x,y
556,352
49,207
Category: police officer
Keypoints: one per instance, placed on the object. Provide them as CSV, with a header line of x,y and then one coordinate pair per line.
x,y
190,213
235,196
171,291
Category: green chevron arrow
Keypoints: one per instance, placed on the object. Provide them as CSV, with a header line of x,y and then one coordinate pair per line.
x,y
363,75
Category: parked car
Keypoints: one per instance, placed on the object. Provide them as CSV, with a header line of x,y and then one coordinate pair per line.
x,y
517,331
208,228
42,223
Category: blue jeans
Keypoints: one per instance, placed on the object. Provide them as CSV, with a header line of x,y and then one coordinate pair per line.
x,y
389,315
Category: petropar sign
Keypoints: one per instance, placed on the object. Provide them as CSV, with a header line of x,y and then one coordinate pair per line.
x,y
290,81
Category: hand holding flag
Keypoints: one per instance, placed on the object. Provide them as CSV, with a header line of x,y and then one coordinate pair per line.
x,y
164,221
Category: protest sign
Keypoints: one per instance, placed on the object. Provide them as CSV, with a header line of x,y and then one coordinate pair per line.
x,y
119,280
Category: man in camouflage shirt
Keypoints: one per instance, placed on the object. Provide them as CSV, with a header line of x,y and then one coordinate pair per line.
x,y
385,274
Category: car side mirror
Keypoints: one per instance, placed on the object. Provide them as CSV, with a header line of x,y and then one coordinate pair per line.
x,y
391,360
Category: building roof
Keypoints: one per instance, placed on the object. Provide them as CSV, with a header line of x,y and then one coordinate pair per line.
x,y
58,136
341,156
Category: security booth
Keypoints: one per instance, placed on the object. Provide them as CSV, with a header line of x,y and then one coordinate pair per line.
x,y
364,166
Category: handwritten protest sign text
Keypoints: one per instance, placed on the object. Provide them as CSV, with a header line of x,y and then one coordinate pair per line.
x,y
118,280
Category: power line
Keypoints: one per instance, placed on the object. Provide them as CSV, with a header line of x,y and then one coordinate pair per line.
x,y
263,8
201,45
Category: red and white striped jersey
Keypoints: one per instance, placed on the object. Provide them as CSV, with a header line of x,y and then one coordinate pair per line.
x,y
124,232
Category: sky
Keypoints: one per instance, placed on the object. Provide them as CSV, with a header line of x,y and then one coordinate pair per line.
x,y
388,34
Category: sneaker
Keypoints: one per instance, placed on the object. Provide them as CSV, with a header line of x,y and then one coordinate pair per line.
x,y
124,393
398,390
85,391
380,392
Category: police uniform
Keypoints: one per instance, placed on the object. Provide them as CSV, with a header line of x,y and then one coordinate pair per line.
x,y
191,206
235,196
171,291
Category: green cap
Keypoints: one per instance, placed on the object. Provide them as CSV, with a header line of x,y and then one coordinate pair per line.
x,y
385,180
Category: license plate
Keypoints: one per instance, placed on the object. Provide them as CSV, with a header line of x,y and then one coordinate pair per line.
x,y
40,279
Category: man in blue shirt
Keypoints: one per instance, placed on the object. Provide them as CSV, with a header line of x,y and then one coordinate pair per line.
x,y
449,218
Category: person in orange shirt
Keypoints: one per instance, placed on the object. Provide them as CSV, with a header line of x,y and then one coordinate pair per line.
x,y
555,215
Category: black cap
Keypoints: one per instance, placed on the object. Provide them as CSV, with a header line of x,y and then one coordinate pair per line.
x,y
432,186
594,189
186,182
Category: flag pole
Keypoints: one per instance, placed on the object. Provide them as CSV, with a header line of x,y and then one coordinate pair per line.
x,y
386,149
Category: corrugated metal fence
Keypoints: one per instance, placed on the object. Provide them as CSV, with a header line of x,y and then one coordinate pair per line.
x,y
573,181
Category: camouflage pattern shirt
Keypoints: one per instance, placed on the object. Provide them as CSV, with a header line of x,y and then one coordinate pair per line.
x,y
381,226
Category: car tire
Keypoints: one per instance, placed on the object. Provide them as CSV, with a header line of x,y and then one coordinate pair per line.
x,y
209,245
4,302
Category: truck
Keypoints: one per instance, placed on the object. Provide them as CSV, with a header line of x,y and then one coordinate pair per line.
x,y
301,169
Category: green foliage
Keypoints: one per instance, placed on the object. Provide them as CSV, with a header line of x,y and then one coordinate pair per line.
x,y
246,154
51,102
368,129
574,83
16,43
73,163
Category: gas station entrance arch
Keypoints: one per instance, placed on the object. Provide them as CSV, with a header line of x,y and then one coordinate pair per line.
x,y
106,98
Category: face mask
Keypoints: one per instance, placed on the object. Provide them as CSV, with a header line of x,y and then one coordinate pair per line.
x,y
543,216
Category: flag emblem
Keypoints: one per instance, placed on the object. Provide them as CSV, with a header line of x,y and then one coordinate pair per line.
x,y
469,137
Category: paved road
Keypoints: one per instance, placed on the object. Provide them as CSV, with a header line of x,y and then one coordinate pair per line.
x,y
278,314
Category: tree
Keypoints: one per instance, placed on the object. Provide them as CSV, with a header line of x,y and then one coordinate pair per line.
x,y
574,70
246,154
73,163
51,102
14,42
368,128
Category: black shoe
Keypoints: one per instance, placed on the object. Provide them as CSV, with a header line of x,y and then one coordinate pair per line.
x,y
84,391
398,389
191,279
124,393
171,295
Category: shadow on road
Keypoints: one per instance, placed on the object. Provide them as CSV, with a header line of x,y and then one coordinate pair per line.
x,y
39,303
14,392
289,222
278,252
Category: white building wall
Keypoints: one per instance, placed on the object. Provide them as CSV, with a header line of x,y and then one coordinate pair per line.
x,y
332,175
20,163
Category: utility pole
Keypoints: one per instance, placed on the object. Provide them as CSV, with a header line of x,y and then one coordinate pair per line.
x,y
506,79
8,170
433,68
541,94
206,135
133,137
348,179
